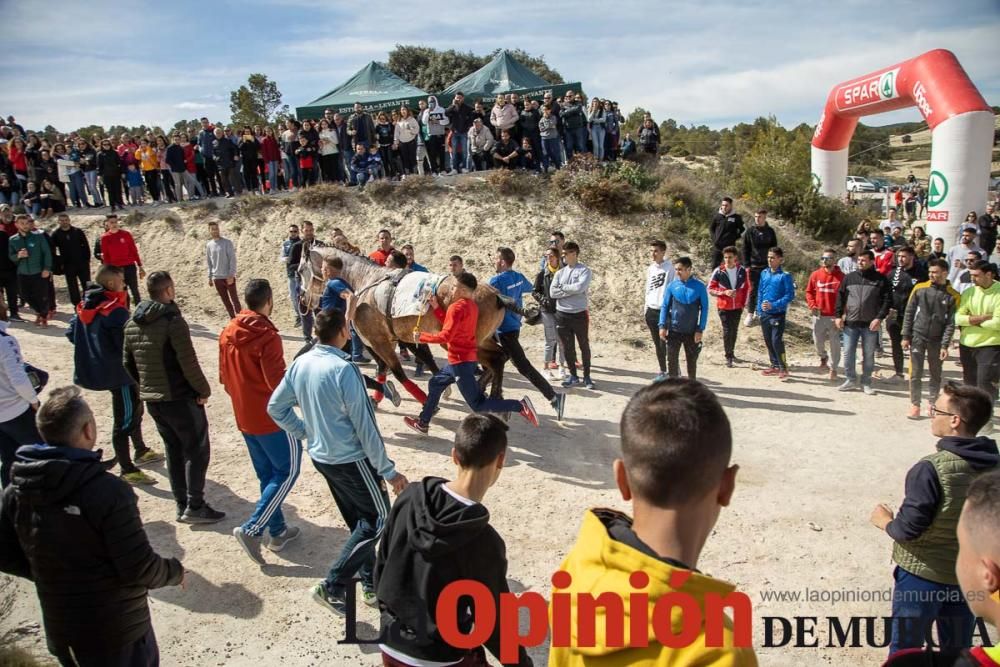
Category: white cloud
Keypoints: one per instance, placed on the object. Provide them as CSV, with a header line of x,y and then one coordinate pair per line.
x,y
194,106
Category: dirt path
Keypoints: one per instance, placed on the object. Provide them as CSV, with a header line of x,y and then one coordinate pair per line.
x,y
809,456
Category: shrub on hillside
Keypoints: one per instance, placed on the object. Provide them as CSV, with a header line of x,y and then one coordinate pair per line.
x,y
823,218
512,183
321,196
247,205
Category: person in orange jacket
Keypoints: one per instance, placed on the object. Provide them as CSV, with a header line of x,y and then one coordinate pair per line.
x,y
251,365
458,332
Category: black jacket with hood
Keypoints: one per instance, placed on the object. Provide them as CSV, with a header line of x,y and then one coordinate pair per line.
x,y
432,539
75,530
923,488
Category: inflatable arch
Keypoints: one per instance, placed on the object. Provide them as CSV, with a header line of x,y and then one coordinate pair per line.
x,y
961,126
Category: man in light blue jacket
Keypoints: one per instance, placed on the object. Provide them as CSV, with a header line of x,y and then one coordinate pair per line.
x,y
343,440
775,292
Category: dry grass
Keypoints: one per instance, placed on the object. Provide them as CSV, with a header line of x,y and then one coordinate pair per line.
x,y
321,196
513,183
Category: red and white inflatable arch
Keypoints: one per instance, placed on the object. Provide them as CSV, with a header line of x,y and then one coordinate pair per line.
x,y
961,124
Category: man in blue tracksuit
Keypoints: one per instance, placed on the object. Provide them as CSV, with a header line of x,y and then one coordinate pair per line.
x,y
514,285
338,424
775,291
683,317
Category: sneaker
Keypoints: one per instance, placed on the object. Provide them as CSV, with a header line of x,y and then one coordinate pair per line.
x,y
147,456
914,412
368,597
770,371
783,374
362,361
138,478
278,542
15,318
416,424
748,320
528,411
335,603
849,385
389,389
202,515
660,377
868,389
588,383
250,544
446,394
729,362
571,381
559,403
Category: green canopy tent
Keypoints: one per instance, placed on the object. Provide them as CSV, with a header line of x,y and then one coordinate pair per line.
x,y
503,74
374,86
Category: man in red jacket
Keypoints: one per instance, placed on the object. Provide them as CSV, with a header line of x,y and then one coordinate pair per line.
x,y
118,249
731,285
885,259
458,332
821,297
251,365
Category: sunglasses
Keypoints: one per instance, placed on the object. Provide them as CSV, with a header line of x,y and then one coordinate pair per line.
x,y
826,259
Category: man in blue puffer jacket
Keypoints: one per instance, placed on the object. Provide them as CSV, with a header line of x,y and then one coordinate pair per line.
x,y
775,291
683,317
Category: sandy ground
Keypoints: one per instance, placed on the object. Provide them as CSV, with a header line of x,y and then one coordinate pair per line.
x,y
813,464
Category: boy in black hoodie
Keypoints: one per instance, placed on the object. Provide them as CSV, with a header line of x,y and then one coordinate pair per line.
x,y
437,533
926,589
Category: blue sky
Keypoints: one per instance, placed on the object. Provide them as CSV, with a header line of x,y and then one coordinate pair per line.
x,y
70,64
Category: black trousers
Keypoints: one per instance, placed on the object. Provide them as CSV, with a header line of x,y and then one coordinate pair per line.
x,y
753,275
211,176
153,183
691,351
126,411
183,425
35,291
77,278
408,156
18,431
511,344
981,367
570,327
894,326
143,652
132,282
435,152
114,186
8,282
660,345
730,328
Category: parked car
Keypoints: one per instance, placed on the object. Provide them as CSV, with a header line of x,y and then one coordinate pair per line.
x,y
860,184
880,184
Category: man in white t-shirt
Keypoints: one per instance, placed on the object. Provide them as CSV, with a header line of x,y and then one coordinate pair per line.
x,y
959,253
659,274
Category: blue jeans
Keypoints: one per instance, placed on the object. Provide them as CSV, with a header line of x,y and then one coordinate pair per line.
x,y
773,329
551,152
869,339
465,375
77,189
359,177
276,459
291,172
363,501
91,179
460,152
576,141
924,603
597,133
272,175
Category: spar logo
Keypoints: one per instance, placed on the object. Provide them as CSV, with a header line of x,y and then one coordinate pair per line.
x,y
937,189
920,98
871,90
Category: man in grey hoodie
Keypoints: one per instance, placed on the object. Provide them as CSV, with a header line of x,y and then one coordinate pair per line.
x,y
569,289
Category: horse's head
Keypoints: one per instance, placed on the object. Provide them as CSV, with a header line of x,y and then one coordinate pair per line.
x,y
358,270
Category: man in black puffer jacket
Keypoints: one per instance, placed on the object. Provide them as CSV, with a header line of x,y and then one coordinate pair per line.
x,y
725,230
75,530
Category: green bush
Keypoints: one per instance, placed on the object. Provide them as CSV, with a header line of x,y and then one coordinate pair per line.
x,y
632,173
678,151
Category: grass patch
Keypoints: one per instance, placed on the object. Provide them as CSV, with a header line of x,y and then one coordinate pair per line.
x,y
512,183
321,196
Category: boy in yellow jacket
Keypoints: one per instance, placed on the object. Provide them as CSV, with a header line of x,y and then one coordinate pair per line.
x,y
675,468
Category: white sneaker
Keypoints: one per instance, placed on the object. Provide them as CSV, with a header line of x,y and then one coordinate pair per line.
x,y
868,389
748,320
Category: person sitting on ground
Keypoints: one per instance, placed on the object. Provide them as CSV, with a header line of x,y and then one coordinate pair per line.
x,y
359,165
75,531
505,151
460,544
926,548
526,156
672,430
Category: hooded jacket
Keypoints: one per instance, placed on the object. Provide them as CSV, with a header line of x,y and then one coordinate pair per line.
x,y
251,365
720,282
434,118
503,117
757,240
71,247
16,391
75,530
902,281
97,332
685,306
431,539
160,357
930,313
605,555
863,296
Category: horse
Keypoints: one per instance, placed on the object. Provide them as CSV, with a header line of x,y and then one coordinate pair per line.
x,y
381,332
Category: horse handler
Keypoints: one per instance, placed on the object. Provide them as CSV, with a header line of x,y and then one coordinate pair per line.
x,y
458,332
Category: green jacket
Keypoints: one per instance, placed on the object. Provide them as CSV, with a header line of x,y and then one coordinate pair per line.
x,y
977,301
159,355
39,253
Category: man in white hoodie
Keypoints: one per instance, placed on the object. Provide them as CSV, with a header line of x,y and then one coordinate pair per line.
x,y
659,274
435,121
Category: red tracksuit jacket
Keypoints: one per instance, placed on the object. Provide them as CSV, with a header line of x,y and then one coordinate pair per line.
x,y
821,291
458,331
118,249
